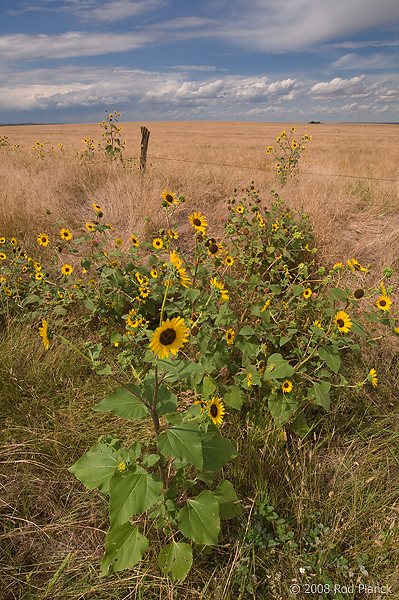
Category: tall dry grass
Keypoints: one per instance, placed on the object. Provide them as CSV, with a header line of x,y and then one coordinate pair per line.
x,y
351,215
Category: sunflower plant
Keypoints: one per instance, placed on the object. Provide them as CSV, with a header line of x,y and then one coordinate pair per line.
x,y
287,154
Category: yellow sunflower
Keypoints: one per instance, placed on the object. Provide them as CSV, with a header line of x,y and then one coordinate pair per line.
x,y
307,293
240,209
216,410
230,336
154,273
267,304
89,227
134,240
173,234
97,207
179,271
198,221
157,243
384,303
44,334
2,256
43,239
343,321
169,197
287,386
67,270
229,260
169,337
118,242
214,249
65,234
218,285
373,377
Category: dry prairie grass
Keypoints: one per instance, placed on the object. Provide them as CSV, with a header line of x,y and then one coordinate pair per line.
x,y
351,215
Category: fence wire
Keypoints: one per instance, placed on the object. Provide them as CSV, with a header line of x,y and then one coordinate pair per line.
x,y
197,162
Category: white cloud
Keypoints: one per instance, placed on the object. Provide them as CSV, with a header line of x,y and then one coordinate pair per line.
x,y
109,12
341,88
373,61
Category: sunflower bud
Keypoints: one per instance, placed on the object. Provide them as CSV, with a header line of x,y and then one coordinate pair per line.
x,y
195,330
94,243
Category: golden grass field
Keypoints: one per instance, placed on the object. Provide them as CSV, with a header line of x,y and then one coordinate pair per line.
x,y
351,214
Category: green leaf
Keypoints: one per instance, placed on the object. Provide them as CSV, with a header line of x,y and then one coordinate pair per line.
x,y
337,294
277,368
208,387
182,442
227,498
175,560
105,371
166,400
124,404
234,397
95,468
282,407
225,316
357,328
321,394
132,494
216,451
150,459
200,520
246,330
299,425
124,548
330,355
179,369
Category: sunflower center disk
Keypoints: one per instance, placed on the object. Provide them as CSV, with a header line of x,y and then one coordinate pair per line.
x,y
213,410
340,323
169,198
167,337
213,248
197,222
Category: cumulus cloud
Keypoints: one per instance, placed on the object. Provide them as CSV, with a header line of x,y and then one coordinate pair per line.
x,y
341,88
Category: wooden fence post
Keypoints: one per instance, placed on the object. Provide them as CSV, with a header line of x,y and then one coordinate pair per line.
x,y
145,134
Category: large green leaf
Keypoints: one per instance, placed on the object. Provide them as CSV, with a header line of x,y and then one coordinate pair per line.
x,y
95,468
216,451
234,397
132,494
124,403
183,442
282,407
330,355
321,394
199,520
178,369
124,548
166,400
277,368
225,316
175,560
227,498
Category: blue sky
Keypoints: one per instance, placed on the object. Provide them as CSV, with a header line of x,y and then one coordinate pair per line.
x,y
65,61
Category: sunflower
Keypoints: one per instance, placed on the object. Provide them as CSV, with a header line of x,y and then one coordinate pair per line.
x,y
249,381
43,239
172,234
67,270
2,240
144,291
240,210
274,226
229,260
354,265
267,304
169,337
373,377
307,293
89,227
154,273
384,303
216,410
198,221
118,242
2,256
97,207
214,249
317,324
338,266
202,403
179,271
39,276
283,134
230,336
287,386
343,321
218,285
44,334
170,198
134,240
157,243
65,234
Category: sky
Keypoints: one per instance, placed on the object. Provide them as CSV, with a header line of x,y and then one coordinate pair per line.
x,y
66,61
